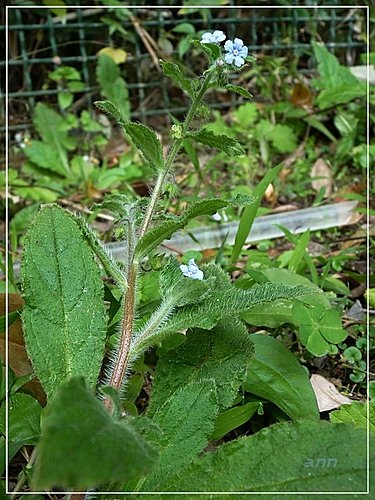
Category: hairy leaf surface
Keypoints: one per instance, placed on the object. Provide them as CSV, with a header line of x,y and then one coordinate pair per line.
x,y
222,354
64,315
83,446
302,456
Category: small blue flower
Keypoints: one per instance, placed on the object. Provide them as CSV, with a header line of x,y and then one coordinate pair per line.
x,y
191,270
235,52
215,37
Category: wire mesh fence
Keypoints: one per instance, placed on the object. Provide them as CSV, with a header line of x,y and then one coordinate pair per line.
x,y
40,42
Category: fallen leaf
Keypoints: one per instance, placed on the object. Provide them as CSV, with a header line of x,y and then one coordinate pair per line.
x,y
327,396
321,176
17,356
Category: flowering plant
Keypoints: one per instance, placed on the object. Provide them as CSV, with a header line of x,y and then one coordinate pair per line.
x,y
89,369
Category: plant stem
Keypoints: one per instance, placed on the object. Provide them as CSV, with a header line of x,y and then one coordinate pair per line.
x,y
123,350
172,155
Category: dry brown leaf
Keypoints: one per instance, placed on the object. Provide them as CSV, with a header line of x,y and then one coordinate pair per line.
x,y
327,396
17,356
322,177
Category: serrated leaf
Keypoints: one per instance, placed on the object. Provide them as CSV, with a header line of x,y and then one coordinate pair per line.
x,y
46,157
230,146
355,414
238,90
186,420
284,457
175,74
276,375
110,108
83,446
164,231
222,354
144,138
64,316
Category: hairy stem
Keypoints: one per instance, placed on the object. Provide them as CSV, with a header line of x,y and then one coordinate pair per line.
x,y
118,370
122,355
172,155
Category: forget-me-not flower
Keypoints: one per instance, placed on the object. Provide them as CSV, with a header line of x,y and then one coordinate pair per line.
x,y
191,270
235,52
216,37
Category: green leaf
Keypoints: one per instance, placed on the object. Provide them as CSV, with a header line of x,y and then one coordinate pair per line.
x,y
222,354
144,138
355,414
230,301
60,9
261,315
175,74
230,146
246,114
110,108
163,231
46,157
64,99
23,422
238,90
249,213
318,327
275,374
51,128
186,420
83,446
233,418
318,125
304,456
113,87
299,252
283,138
64,315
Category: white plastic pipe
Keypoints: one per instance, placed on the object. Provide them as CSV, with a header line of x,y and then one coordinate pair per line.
x,y
264,228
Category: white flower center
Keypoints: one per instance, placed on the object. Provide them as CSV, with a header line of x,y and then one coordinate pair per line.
x,y
235,52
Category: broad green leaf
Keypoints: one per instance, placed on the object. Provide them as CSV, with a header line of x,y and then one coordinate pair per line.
x,y
83,446
239,90
229,301
113,86
249,213
51,128
230,146
64,316
46,157
261,314
233,418
23,422
186,420
304,456
356,414
175,74
144,138
64,99
275,374
222,354
318,327
340,95
283,138
163,231
284,276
